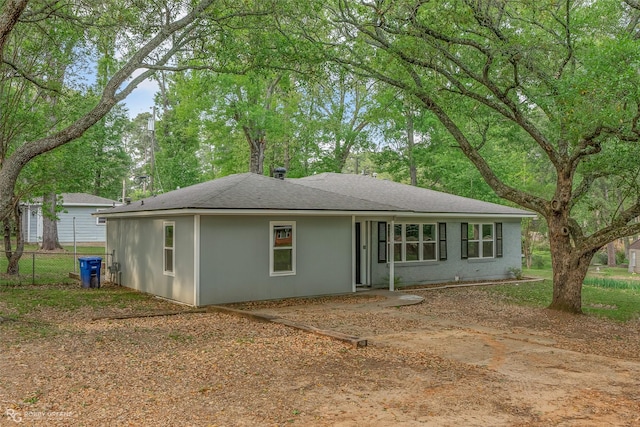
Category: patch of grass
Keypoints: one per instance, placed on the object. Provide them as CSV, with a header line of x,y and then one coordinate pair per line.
x,y
543,273
532,294
48,267
615,304
24,299
612,303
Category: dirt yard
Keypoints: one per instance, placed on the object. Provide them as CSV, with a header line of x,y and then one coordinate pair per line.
x,y
458,358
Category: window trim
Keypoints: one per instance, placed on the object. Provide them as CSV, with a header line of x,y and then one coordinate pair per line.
x,y
437,242
272,248
165,248
101,220
496,239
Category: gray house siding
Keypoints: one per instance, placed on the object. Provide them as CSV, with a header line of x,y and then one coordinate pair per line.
x,y
235,258
137,245
408,273
87,228
31,223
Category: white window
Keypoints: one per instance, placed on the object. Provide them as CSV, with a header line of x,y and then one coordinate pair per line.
x,y
282,253
100,220
169,248
415,242
480,240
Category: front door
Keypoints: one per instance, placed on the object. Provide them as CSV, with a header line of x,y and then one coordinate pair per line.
x,y
362,253
358,253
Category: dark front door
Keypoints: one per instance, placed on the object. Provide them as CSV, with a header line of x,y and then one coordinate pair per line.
x,y
358,255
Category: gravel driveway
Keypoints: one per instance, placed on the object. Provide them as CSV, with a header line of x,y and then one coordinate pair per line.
x,y
458,358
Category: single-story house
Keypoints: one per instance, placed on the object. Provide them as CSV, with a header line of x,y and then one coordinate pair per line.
x,y
76,222
252,237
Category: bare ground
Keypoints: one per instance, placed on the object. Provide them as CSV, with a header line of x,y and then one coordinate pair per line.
x,y
459,358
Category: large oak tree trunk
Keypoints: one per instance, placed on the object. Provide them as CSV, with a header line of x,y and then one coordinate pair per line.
x,y
50,223
569,271
570,267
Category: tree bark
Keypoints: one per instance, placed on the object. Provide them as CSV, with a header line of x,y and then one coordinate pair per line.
x,y
256,158
570,265
50,223
13,257
9,16
611,254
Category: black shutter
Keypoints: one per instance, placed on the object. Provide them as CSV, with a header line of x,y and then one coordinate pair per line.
x,y
464,241
442,240
382,242
498,240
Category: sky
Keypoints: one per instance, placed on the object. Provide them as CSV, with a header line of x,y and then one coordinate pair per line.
x,y
141,99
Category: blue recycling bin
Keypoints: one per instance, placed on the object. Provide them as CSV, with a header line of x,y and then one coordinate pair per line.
x,y
90,271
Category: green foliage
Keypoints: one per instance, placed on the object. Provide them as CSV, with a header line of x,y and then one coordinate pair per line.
x,y
541,259
516,272
600,258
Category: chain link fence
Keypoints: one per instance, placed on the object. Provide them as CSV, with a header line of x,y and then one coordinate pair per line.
x,y
43,268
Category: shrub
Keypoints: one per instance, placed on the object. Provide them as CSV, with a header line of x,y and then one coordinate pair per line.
x,y
537,261
600,258
515,272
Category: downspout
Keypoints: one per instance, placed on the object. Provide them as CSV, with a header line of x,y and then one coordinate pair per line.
x,y
196,260
392,255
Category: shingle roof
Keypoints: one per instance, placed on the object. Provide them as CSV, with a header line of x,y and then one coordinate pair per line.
x,y
635,245
83,199
402,196
252,191
325,192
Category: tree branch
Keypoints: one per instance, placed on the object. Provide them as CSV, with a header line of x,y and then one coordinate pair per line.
x,y
11,12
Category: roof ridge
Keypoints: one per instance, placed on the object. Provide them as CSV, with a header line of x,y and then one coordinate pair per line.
x,y
335,193
362,199
234,182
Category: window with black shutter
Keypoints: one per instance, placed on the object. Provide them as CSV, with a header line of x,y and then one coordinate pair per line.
x,y
464,233
442,240
382,242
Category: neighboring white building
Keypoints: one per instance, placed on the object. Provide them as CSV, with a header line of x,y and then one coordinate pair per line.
x,y
75,223
634,257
